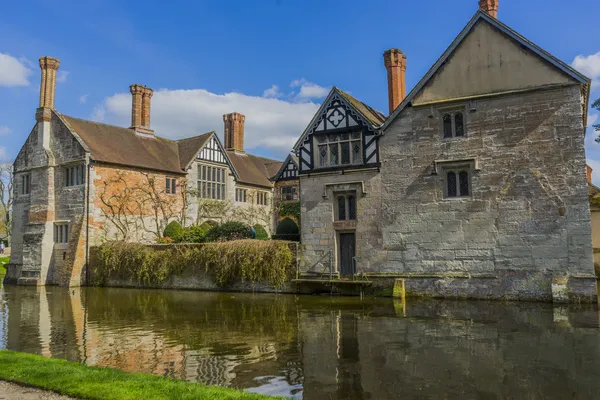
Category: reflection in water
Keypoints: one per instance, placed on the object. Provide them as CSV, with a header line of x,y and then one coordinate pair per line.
x,y
315,347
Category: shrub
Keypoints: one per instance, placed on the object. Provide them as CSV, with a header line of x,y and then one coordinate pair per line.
x,y
173,230
288,236
207,225
192,234
251,261
287,226
232,230
261,233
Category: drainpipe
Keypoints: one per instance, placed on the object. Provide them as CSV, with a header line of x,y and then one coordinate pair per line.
x,y
87,225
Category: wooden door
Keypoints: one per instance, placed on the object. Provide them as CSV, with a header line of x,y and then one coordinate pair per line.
x,y
347,253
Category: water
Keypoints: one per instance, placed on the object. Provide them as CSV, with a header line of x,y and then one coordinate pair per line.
x,y
316,347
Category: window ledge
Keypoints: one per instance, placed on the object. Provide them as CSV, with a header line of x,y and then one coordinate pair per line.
x,y
474,161
344,225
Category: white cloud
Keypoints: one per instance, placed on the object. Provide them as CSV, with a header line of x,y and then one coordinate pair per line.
x,y
588,65
3,154
83,98
309,90
4,130
272,92
14,72
592,119
271,123
61,76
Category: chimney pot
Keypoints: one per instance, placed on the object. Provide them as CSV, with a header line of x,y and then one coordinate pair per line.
x,y
234,131
49,66
490,7
395,63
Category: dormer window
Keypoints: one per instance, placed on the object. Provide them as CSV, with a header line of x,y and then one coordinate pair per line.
x,y
453,124
339,149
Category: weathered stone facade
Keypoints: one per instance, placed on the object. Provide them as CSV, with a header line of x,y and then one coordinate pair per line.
x,y
480,186
79,183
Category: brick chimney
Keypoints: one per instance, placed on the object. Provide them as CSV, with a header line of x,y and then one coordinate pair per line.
x,y
490,7
140,108
588,171
395,63
234,131
49,66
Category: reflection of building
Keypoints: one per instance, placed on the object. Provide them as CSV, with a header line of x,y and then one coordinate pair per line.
x,y
76,178
286,197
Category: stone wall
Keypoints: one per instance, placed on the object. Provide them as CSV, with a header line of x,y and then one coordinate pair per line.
x,y
319,230
528,215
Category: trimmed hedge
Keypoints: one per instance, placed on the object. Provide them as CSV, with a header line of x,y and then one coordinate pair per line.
x,y
173,230
261,233
289,237
265,262
232,230
287,226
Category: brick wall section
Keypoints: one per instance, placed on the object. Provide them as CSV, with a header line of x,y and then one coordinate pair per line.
x,y
277,199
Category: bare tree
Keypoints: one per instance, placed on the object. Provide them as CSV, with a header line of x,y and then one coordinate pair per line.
x,y
253,213
7,184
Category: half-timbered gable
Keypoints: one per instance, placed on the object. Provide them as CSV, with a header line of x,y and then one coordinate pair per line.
x,y
288,170
342,135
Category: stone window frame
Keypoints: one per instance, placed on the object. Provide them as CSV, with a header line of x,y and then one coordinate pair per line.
x,y
170,185
212,182
262,198
444,167
452,112
74,175
350,206
62,230
241,195
25,189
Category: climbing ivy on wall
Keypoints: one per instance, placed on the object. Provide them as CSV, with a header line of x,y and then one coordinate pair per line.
x,y
290,210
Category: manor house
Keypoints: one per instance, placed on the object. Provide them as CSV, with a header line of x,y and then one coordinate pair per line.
x,y
80,182
473,187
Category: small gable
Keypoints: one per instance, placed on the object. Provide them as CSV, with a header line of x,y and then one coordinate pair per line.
x,y
342,134
212,152
288,170
488,60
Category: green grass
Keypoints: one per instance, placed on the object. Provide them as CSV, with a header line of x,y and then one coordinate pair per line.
x,y
83,382
3,261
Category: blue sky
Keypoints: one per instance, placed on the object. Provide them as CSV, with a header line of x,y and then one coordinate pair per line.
x,y
273,60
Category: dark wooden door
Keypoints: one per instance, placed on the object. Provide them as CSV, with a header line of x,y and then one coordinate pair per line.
x,y
347,253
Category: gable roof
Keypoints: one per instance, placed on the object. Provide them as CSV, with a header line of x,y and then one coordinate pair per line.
x,y
122,146
291,157
369,115
253,170
482,16
189,147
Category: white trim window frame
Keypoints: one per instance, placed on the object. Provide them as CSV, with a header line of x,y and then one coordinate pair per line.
x,y
262,198
74,175
289,193
170,185
241,195
61,233
338,149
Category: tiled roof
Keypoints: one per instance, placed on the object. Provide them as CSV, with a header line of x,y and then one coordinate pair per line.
x,y
371,114
253,170
117,145
189,147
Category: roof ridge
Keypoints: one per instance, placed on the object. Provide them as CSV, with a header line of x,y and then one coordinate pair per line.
x,y
195,137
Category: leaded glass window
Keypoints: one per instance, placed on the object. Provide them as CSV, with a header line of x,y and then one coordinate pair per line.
x,y
453,125
458,183
339,149
351,207
341,208
211,182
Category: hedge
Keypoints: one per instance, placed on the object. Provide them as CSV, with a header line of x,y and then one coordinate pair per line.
x,y
264,262
288,236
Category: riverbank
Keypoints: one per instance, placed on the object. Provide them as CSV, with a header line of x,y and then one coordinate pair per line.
x,y
83,382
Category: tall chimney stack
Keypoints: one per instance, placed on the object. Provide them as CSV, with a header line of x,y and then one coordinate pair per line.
x,y
49,66
234,131
140,108
490,7
395,63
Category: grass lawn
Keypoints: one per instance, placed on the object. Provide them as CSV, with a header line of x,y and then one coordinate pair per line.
x,y
77,380
3,260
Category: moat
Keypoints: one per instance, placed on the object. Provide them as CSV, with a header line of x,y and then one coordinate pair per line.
x,y
316,347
